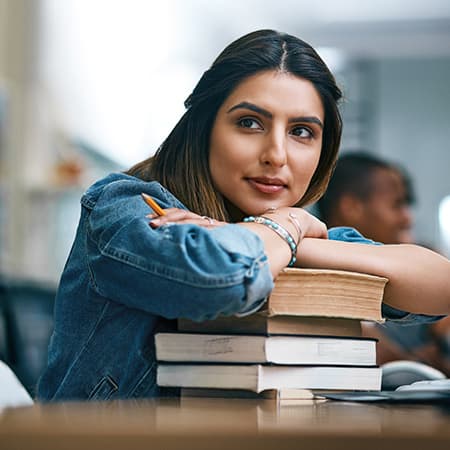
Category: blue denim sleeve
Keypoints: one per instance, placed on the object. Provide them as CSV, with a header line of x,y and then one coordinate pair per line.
x,y
348,234
404,318
175,270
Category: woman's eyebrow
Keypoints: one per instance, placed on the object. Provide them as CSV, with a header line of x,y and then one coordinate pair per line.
x,y
268,114
251,107
307,119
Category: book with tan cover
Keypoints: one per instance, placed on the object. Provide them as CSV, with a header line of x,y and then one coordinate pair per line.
x,y
327,293
307,301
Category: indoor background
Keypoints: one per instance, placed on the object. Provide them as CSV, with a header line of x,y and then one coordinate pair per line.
x,y
92,86
89,86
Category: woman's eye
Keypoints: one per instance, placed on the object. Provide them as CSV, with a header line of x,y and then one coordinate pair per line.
x,y
247,122
302,132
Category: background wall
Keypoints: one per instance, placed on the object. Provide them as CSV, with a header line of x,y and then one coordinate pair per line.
x,y
91,86
413,126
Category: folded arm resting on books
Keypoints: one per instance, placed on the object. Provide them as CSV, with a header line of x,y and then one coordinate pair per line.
x,y
419,279
175,270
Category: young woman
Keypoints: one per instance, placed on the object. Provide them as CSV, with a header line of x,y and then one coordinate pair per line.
x,y
259,138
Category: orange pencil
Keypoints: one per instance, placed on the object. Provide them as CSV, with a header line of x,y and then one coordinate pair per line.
x,y
150,202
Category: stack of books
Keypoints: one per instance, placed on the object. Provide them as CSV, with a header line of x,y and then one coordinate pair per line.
x,y
307,337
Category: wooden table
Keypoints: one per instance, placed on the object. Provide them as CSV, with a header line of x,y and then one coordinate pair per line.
x,y
209,424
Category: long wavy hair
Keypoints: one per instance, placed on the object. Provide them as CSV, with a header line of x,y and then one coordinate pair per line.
x,y
181,163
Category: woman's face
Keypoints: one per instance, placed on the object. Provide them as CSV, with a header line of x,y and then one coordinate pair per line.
x,y
266,141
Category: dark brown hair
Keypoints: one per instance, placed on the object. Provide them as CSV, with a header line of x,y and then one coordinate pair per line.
x,y
181,163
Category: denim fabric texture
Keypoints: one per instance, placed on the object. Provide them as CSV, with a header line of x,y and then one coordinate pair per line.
x,y
124,281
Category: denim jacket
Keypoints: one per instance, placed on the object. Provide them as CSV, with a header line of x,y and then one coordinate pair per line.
x,y
124,281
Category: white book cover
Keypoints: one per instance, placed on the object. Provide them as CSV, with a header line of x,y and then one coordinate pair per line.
x,y
258,378
275,349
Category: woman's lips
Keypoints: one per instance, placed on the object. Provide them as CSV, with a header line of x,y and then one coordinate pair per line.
x,y
266,186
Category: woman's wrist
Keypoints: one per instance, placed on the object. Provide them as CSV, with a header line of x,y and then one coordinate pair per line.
x,y
289,220
286,228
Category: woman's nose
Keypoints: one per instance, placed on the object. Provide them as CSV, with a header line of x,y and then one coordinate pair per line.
x,y
274,152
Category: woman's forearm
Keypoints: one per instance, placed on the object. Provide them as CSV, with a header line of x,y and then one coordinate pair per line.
x,y
419,279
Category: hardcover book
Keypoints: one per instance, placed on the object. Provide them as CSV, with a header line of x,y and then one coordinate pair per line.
x,y
262,323
327,293
275,349
258,378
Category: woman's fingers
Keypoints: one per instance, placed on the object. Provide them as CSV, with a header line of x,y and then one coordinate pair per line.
x,y
182,216
313,227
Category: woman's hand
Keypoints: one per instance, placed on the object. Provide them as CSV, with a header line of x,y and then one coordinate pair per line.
x,y
182,216
309,225
297,222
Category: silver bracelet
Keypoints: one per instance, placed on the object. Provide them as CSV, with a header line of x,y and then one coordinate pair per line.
x,y
294,219
282,232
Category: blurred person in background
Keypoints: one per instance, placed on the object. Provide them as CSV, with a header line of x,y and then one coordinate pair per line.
x,y
375,197
371,195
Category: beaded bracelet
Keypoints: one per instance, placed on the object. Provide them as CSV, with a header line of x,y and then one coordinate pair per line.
x,y
282,232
